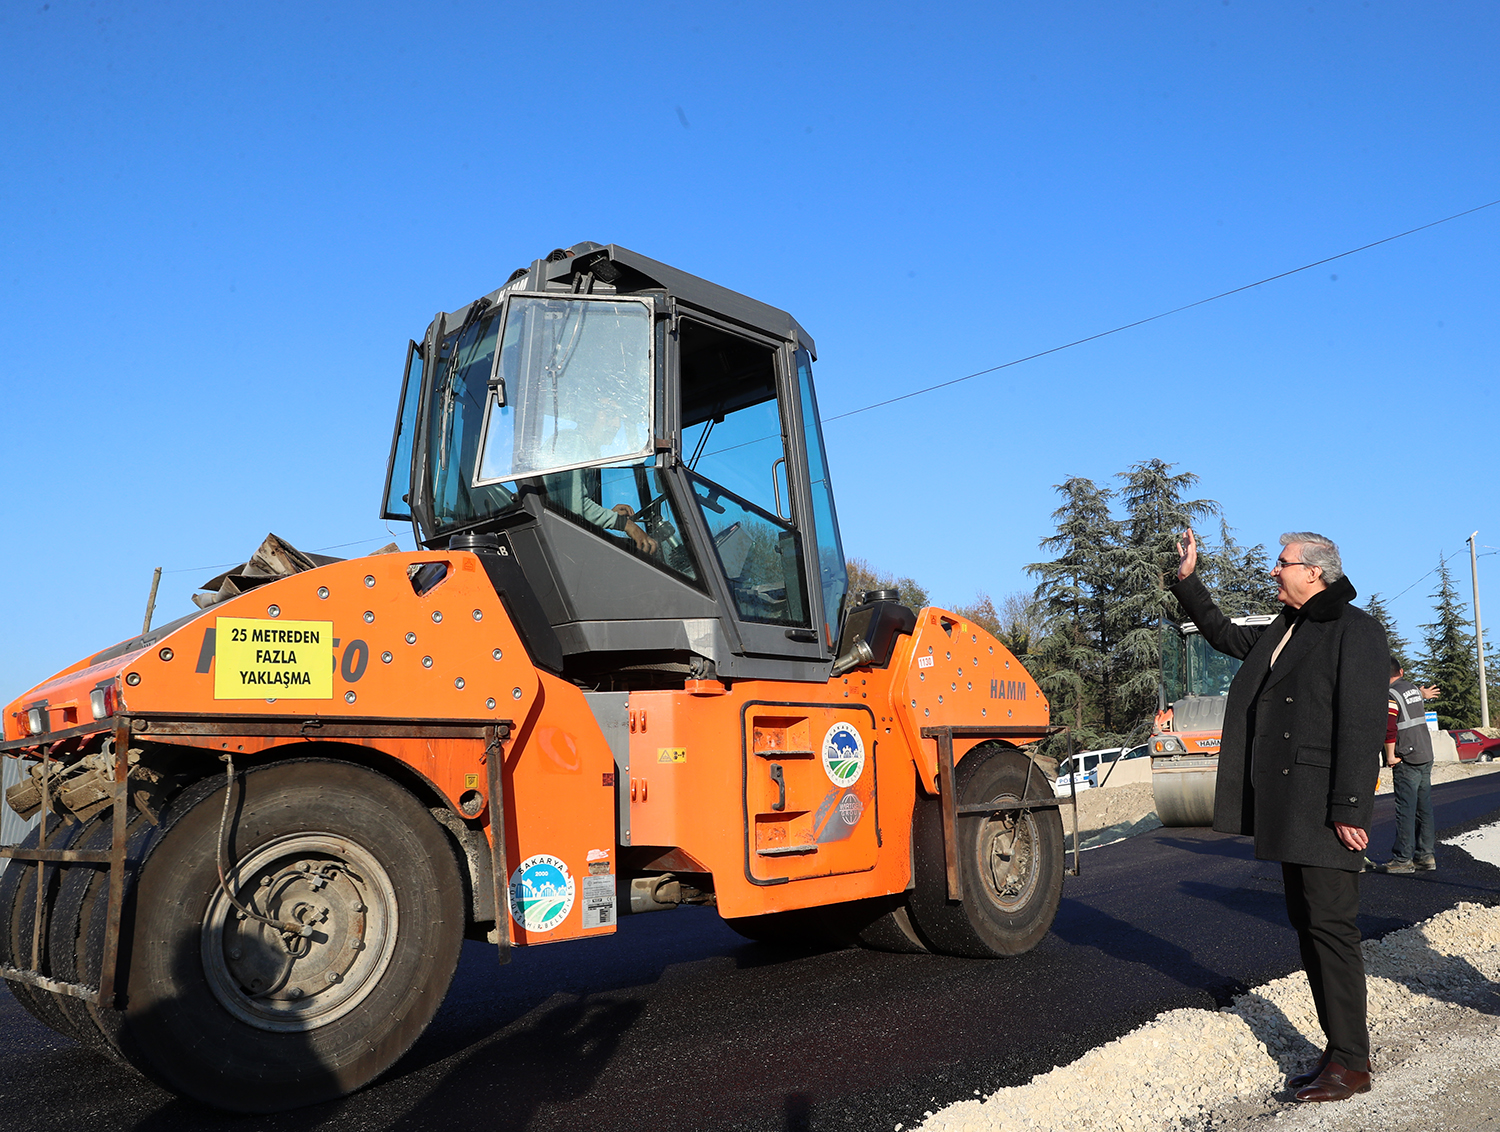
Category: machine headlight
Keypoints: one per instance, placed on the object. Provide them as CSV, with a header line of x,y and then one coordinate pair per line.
x,y
1168,745
34,720
102,702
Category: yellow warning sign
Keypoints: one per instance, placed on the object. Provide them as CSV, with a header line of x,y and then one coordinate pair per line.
x,y
261,659
671,754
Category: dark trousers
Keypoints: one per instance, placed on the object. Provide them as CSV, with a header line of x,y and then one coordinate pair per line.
x,y
1323,905
1414,833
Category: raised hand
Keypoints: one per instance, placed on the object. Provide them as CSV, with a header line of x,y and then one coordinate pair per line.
x,y
1188,554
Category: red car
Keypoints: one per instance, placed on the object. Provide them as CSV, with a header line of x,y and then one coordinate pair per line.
x,y
1472,746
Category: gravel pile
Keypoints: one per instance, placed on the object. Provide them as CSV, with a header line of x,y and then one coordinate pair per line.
x,y
1433,1007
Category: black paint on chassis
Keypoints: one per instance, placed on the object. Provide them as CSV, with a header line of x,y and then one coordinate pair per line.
x,y
677,1023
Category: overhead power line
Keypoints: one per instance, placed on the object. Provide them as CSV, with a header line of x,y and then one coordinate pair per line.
x,y
1163,314
1434,570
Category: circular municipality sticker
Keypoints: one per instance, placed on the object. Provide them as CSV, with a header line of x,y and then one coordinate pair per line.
x,y
843,754
541,893
850,808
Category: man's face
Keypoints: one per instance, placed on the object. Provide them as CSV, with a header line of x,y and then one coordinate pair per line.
x,y
1295,582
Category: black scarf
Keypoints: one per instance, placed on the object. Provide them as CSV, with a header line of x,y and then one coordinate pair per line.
x,y
1326,605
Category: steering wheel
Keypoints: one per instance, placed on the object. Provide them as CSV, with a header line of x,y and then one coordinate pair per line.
x,y
650,512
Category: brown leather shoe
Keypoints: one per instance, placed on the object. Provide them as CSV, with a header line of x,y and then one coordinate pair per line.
x,y
1335,1083
1302,1080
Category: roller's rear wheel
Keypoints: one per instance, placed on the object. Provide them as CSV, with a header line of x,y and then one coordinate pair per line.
x,y
83,893
18,918
246,1017
1011,863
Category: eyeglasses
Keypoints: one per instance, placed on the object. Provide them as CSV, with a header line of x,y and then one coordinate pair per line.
x,y
1282,563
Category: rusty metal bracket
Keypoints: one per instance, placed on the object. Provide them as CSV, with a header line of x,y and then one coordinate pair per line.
x,y
948,798
494,757
104,993
51,738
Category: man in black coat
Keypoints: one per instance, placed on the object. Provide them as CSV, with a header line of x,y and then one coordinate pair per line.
x,y
1303,729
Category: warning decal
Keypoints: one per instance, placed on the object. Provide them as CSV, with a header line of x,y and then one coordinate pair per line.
x,y
265,659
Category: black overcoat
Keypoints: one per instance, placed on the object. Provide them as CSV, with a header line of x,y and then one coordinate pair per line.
x,y
1302,741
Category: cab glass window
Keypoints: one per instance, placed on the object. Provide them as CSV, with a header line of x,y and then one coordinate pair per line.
x,y
833,574
397,502
734,448
571,386
760,555
454,422
628,505
732,429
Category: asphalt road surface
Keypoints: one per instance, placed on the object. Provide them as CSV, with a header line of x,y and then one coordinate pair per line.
x,y
676,1023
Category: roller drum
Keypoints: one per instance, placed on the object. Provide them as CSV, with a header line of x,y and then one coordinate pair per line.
x,y
1184,790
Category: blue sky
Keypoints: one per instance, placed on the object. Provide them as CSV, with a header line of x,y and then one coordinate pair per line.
x,y
220,224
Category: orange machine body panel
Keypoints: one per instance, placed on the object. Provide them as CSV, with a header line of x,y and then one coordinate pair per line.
x,y
784,791
797,795
354,642
792,795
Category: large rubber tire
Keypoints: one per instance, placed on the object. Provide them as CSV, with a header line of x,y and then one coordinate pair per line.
x,y
883,923
18,914
77,926
1011,864
880,923
798,928
225,1010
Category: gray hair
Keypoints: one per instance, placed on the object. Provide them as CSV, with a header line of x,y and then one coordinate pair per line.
x,y
1318,550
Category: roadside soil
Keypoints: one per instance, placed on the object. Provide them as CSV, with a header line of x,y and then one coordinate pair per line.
x,y
1434,1002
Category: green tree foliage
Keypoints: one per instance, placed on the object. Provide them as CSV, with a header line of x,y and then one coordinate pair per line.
x,y
1156,513
1077,591
1238,576
1023,623
1089,632
863,576
1094,637
1448,658
1400,646
983,613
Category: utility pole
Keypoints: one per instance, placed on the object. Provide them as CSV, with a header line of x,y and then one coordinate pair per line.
x,y
151,604
1484,692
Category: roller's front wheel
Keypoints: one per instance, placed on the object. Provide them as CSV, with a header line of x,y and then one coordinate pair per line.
x,y
1011,862
366,907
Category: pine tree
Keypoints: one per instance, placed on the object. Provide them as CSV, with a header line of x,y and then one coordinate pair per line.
x,y
1156,515
1399,645
1448,659
1077,591
1239,577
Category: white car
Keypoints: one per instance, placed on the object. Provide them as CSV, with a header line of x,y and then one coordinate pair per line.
x,y
1088,769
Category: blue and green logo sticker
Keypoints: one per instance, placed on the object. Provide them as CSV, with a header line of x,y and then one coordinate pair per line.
x,y
843,754
541,893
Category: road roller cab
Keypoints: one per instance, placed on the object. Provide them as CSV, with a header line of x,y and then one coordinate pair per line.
x,y
620,672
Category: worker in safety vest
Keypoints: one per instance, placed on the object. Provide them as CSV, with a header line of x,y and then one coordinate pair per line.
x,y
1408,751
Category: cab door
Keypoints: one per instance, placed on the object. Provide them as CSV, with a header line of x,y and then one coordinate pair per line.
x,y
812,798
743,465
